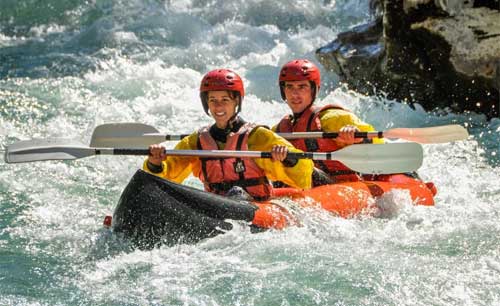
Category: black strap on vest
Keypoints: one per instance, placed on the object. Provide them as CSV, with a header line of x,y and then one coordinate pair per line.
x,y
239,161
203,160
312,143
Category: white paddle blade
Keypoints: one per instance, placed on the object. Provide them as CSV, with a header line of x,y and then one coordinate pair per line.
x,y
437,134
382,158
46,149
125,135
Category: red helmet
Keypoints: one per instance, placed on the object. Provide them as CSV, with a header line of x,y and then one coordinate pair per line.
x,y
300,70
221,79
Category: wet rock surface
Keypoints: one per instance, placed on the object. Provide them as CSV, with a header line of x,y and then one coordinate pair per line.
x,y
440,54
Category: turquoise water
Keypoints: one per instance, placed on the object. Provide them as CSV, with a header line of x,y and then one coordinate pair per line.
x,y
68,66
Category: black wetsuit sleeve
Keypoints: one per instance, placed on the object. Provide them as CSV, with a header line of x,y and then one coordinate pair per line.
x,y
290,162
154,168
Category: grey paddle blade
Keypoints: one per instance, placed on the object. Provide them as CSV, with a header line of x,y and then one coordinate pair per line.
x,y
382,158
46,149
125,135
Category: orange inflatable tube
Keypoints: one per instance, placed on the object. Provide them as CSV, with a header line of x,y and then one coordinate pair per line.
x,y
344,199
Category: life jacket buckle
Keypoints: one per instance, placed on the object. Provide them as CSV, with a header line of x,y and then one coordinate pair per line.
x,y
239,166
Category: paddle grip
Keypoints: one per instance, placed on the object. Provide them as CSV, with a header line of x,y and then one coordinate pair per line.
x,y
130,151
356,134
298,155
266,155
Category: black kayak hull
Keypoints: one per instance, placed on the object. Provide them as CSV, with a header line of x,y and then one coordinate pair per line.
x,y
153,211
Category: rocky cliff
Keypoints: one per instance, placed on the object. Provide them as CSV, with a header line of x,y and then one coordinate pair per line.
x,y
442,54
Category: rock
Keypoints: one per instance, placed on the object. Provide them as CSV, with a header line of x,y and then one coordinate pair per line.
x,y
441,54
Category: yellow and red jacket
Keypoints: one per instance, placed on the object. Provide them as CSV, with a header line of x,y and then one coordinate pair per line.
x,y
328,118
221,174
178,168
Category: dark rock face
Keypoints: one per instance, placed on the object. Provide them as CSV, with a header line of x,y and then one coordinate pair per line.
x,y
356,56
439,55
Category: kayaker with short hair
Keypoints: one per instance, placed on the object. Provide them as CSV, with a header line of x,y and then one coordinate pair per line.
x,y
299,83
221,93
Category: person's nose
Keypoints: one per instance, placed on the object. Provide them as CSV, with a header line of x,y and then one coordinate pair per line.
x,y
220,104
294,92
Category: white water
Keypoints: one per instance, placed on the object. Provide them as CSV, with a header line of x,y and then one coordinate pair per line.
x,y
142,61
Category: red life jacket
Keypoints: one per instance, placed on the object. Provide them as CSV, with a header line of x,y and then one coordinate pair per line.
x,y
309,121
219,175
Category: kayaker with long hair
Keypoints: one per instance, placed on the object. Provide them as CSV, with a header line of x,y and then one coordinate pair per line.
x,y
221,93
299,83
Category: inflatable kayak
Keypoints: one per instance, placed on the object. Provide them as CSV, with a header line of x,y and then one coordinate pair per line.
x,y
153,211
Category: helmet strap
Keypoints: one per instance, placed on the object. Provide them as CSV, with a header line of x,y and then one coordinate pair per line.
x,y
282,90
238,107
204,102
313,91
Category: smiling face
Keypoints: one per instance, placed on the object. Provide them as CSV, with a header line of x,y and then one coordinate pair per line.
x,y
222,106
298,95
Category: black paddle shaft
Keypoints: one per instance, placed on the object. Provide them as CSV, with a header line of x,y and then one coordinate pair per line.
x,y
302,155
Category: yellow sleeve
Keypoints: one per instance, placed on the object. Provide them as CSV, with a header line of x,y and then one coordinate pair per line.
x,y
299,176
332,120
178,168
